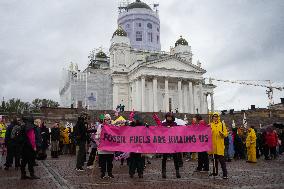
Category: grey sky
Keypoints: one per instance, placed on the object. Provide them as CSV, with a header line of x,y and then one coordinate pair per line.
x,y
234,39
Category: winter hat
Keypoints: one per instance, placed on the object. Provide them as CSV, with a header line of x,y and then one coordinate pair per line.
x,y
107,116
102,117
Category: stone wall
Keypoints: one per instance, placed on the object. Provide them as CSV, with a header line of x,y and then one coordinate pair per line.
x,y
254,117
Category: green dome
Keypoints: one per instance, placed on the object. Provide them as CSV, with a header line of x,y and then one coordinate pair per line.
x,y
181,41
101,54
138,4
120,32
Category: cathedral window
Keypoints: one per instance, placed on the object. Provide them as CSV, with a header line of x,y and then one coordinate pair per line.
x,y
158,29
138,25
149,25
158,38
128,26
150,37
139,36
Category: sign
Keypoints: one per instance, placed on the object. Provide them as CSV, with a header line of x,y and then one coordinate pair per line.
x,y
156,139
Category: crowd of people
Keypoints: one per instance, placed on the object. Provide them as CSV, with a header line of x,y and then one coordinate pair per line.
x,y
25,140
228,144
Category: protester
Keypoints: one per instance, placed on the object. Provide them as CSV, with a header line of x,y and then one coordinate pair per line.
x,y
105,157
38,138
136,160
170,122
55,137
271,141
281,138
238,144
94,144
80,132
28,148
66,141
219,132
251,146
13,142
231,150
2,131
44,132
203,160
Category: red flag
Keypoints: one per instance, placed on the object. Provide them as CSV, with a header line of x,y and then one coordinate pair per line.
x,y
157,120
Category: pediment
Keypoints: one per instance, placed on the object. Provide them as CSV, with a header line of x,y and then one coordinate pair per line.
x,y
174,64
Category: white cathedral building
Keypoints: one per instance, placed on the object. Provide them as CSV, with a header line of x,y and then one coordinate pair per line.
x,y
136,73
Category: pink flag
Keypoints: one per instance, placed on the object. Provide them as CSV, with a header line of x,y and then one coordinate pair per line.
x,y
131,115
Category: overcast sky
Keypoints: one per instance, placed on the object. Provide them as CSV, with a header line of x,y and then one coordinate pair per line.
x,y
234,39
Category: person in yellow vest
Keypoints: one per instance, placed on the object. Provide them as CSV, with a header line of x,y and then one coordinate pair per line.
x,y
2,130
219,133
251,146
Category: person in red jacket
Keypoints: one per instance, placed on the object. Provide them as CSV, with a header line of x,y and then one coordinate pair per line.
x,y
271,140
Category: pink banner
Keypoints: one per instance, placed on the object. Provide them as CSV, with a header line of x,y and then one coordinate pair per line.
x,y
156,139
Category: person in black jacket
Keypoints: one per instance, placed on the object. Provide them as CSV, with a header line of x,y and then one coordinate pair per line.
x,y
28,148
203,160
13,144
55,137
136,161
80,132
44,132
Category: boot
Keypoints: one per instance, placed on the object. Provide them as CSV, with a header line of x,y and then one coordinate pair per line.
x,y
33,176
178,174
56,154
164,174
110,175
24,176
103,175
164,171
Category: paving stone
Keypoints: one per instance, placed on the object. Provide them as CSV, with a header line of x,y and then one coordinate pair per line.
x,y
61,173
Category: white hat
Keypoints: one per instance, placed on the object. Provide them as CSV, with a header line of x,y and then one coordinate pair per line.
x,y
107,116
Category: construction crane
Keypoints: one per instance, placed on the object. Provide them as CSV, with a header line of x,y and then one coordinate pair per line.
x,y
255,83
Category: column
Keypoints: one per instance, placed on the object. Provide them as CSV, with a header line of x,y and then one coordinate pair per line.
x,y
130,95
206,103
212,102
155,94
115,95
200,98
195,99
190,98
137,97
180,97
143,93
185,98
166,102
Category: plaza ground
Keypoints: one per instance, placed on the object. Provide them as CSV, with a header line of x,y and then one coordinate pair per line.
x,y
60,173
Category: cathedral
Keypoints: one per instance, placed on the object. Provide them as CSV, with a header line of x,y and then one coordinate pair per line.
x,y
136,74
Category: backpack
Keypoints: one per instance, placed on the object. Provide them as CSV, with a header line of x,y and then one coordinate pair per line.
x,y
17,134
